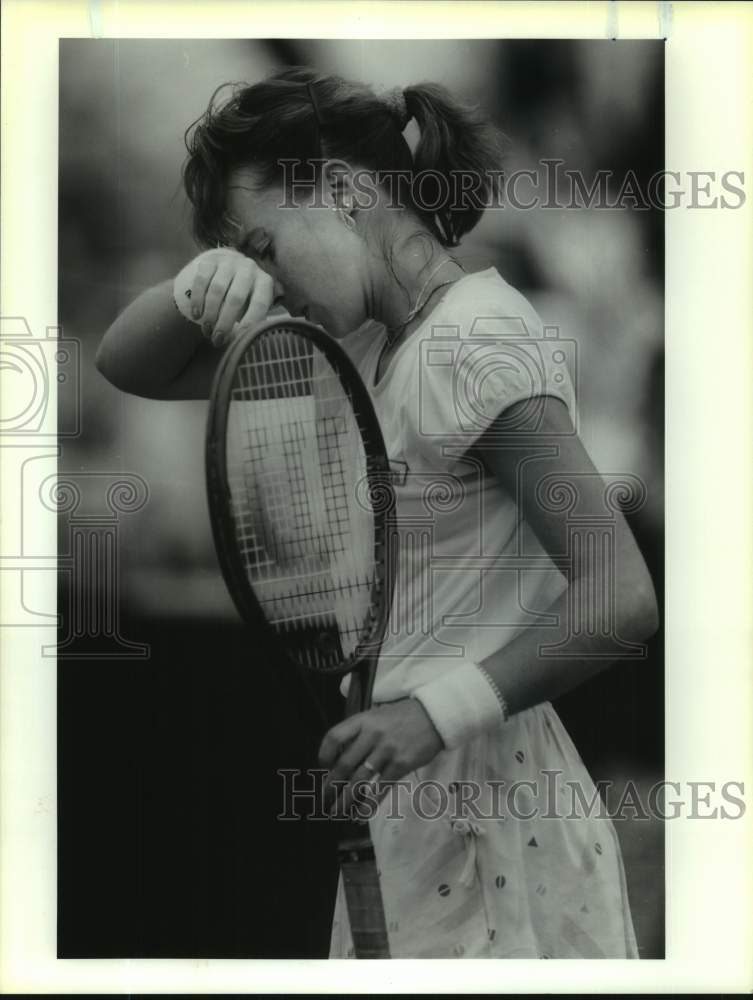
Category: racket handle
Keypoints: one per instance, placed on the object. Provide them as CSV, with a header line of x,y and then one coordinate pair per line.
x,y
359,691
363,896
363,893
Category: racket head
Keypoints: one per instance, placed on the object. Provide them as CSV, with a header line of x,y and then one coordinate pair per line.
x,y
300,497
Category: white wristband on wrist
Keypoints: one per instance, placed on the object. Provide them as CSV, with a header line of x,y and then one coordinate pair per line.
x,y
463,703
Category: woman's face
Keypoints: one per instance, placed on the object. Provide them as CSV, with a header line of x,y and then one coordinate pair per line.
x,y
320,265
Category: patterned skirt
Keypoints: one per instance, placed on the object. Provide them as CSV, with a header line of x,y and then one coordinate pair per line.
x,y
501,848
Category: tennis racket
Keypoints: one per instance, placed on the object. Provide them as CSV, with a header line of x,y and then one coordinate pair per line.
x,y
301,506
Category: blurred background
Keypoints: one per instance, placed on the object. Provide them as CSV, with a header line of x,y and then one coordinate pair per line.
x,y
168,845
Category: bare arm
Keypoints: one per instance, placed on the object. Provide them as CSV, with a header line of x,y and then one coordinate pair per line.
x,y
151,350
400,736
622,608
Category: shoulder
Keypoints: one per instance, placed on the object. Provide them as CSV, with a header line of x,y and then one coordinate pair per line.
x,y
492,329
489,348
485,303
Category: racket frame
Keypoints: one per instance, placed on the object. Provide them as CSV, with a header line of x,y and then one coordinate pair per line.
x,y
355,849
377,472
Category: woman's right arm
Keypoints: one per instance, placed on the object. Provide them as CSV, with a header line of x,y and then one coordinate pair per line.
x,y
153,350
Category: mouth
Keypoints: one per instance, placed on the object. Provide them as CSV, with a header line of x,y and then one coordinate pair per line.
x,y
308,313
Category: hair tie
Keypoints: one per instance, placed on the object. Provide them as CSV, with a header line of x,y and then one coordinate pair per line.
x,y
397,105
314,103
317,118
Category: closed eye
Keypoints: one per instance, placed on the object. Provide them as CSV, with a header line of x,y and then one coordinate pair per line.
x,y
257,246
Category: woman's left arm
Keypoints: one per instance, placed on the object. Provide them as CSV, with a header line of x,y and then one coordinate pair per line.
x,y
584,612
399,737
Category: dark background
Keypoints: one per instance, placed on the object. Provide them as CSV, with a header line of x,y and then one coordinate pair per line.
x,y
168,845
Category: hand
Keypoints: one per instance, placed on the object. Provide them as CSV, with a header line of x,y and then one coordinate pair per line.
x,y
395,738
222,290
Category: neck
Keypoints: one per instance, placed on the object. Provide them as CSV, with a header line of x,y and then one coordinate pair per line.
x,y
417,272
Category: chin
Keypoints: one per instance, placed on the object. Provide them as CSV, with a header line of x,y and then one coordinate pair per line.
x,y
328,322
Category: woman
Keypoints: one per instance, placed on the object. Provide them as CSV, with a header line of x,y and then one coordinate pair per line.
x,y
309,197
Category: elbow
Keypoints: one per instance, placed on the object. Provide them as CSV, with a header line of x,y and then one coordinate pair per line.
x,y
110,367
103,362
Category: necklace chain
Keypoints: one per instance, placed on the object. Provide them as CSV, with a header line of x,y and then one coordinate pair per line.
x,y
419,304
390,341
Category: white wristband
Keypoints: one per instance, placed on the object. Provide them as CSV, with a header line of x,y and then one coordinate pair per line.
x,y
462,704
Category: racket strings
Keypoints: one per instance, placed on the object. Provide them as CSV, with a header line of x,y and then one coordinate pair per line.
x,y
306,539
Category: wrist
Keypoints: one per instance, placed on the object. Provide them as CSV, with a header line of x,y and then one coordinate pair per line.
x,y
463,703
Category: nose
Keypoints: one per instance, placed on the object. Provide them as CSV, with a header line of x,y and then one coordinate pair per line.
x,y
279,302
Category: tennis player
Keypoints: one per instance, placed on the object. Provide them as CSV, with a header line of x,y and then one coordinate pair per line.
x,y
512,586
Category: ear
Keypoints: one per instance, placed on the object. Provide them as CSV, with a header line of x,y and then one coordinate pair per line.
x,y
339,190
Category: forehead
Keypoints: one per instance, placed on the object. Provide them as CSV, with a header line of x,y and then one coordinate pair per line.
x,y
247,204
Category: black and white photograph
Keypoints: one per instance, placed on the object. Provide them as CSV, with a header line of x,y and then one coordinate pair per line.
x,y
358,473
428,464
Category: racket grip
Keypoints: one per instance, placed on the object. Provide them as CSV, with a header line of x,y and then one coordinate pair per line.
x,y
359,691
363,896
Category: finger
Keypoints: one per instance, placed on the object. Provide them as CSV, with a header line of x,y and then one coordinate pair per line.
x,y
235,301
215,296
393,770
337,739
262,297
204,274
365,784
351,758
219,339
221,342
372,766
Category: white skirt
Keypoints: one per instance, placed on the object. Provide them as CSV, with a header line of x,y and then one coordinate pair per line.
x,y
500,849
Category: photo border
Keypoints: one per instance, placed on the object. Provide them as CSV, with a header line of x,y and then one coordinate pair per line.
x,y
709,475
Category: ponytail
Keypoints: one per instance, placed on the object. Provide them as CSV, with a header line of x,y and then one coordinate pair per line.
x,y
301,114
458,143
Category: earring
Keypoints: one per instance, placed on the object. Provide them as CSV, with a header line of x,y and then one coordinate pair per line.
x,y
348,220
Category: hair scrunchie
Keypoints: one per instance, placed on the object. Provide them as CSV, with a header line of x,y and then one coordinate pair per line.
x,y
395,101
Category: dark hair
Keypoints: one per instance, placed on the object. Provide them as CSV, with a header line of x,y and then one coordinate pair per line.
x,y
300,114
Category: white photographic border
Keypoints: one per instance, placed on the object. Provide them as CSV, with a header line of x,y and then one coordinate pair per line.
x,y
709,508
